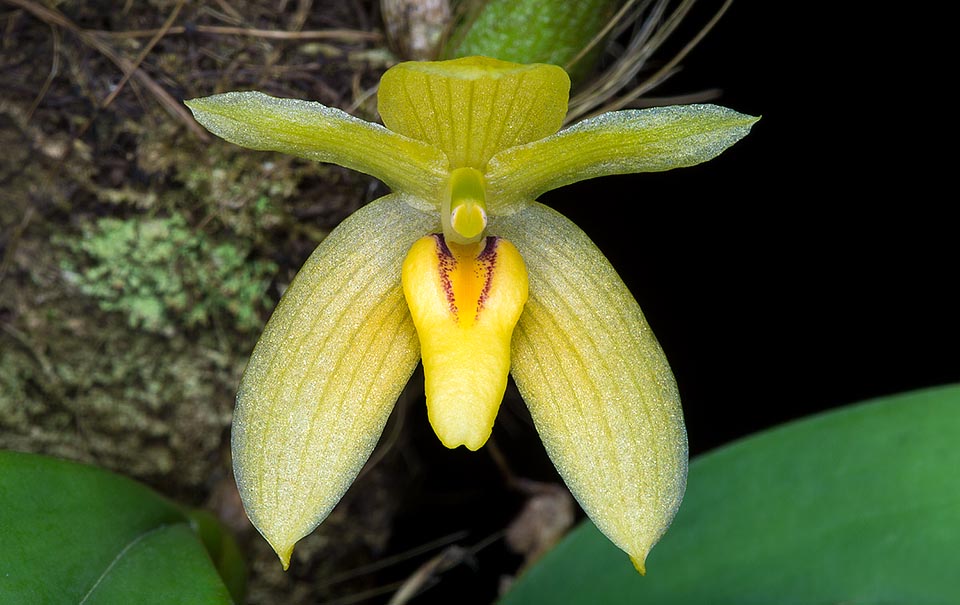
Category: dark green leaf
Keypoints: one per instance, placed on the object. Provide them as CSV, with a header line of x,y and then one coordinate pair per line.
x,y
223,551
534,31
857,506
73,534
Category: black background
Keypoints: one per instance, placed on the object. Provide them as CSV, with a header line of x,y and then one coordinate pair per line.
x,y
810,266
813,264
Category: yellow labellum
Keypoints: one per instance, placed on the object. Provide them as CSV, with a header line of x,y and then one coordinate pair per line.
x,y
465,301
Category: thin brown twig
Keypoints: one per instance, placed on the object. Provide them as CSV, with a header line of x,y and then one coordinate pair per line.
x,y
11,244
365,595
227,8
143,54
606,92
428,574
6,40
670,66
699,96
611,23
54,69
174,107
296,24
403,557
341,35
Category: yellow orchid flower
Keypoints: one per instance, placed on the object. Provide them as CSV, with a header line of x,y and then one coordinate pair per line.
x,y
461,267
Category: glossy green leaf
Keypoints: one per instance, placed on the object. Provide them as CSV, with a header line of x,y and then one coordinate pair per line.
x,y
76,534
223,551
857,506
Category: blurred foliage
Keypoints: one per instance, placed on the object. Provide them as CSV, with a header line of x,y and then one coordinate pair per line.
x,y
139,262
161,273
79,384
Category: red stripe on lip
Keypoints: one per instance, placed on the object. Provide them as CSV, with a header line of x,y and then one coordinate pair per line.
x,y
488,260
448,262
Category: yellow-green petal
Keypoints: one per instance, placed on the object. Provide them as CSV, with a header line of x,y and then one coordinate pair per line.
x,y
326,373
314,131
472,108
597,384
619,142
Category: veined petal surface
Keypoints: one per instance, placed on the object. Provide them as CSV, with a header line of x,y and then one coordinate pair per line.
x,y
314,131
596,382
326,373
472,108
618,142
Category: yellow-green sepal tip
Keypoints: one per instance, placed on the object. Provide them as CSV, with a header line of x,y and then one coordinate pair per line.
x,y
618,142
326,373
596,382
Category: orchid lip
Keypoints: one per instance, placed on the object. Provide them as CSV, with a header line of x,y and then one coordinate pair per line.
x,y
465,300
